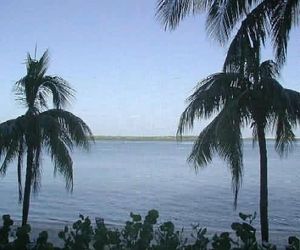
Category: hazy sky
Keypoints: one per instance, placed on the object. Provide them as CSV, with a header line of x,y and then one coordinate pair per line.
x,y
131,76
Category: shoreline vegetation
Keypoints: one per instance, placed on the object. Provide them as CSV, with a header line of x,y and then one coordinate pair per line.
x,y
138,233
142,138
189,138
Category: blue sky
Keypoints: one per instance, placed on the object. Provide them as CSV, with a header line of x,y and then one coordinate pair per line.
x,y
131,76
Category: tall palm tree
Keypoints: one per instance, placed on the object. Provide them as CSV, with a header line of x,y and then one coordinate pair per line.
x,y
252,18
55,130
238,98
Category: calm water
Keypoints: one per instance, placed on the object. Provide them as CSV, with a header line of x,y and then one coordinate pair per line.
x,y
117,177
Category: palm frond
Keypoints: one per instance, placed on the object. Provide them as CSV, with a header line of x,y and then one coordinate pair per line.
x,y
284,17
277,99
34,89
171,12
75,127
285,136
60,130
209,97
11,136
244,48
37,68
58,88
11,153
61,157
254,134
51,126
223,16
55,130
283,110
36,170
27,87
286,119
293,104
222,136
269,69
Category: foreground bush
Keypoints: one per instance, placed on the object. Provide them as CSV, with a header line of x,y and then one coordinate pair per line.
x,y
138,234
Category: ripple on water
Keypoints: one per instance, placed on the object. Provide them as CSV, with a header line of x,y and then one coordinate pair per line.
x,y
118,177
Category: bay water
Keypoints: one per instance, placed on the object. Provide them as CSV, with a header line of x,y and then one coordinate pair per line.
x,y
118,177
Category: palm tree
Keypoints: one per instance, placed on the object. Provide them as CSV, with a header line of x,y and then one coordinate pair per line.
x,y
254,19
55,130
237,98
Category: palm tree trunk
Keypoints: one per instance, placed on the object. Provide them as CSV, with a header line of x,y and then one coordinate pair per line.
x,y
20,176
27,189
263,184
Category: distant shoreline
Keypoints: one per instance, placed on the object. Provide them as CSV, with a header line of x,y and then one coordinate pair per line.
x,y
142,138
155,138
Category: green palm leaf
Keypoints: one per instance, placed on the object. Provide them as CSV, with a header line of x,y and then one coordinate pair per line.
x,y
55,130
285,16
11,136
247,41
236,101
34,89
77,130
210,96
224,94
223,16
253,19
171,12
222,136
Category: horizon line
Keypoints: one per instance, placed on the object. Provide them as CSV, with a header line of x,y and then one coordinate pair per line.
x,y
159,137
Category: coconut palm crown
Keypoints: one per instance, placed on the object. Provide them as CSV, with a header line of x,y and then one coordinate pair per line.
x,y
240,19
54,130
246,95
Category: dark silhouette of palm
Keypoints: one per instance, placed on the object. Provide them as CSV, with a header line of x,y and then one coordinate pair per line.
x,y
55,130
239,98
254,20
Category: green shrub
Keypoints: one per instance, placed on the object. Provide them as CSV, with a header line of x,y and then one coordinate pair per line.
x,y
138,234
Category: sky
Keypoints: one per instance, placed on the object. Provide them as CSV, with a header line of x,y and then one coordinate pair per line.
x,y
130,75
